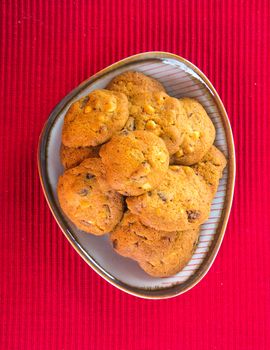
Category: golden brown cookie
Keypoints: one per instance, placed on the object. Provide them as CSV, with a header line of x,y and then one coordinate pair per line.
x,y
87,200
131,83
211,167
181,201
93,119
159,253
71,157
199,134
135,162
160,114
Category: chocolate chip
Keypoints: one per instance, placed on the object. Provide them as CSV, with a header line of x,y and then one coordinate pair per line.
x,y
124,132
115,243
102,129
89,176
162,196
165,238
149,193
145,164
130,124
107,210
83,192
138,178
84,101
193,215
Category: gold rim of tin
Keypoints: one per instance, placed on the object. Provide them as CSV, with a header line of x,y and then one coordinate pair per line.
x,y
208,260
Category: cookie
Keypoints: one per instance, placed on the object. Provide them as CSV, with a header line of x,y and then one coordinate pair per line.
x,y
199,134
131,83
71,157
160,114
93,119
87,200
135,162
159,253
180,202
211,167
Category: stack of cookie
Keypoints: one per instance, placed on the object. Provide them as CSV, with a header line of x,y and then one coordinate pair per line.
x,y
141,166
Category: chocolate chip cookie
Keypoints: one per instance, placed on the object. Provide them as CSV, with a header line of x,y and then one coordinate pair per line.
x,y
198,136
135,162
211,167
180,202
71,157
159,253
131,83
87,200
160,114
93,119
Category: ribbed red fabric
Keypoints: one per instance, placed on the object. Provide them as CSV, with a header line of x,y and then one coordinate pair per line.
x,y
50,298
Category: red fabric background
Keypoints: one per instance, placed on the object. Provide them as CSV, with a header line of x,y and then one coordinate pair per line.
x,y
50,298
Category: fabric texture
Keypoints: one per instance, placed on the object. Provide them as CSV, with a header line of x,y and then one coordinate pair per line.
x,y
49,297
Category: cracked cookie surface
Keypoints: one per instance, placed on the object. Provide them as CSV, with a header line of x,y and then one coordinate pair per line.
x,y
135,162
159,253
210,168
180,202
198,136
131,83
93,119
71,157
87,200
160,114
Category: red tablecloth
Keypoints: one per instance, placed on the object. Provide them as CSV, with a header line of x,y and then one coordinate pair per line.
x,y
50,298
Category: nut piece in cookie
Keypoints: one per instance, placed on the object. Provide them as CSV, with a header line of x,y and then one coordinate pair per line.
x,y
131,83
180,202
199,134
87,200
93,119
71,157
210,168
159,253
160,114
135,162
